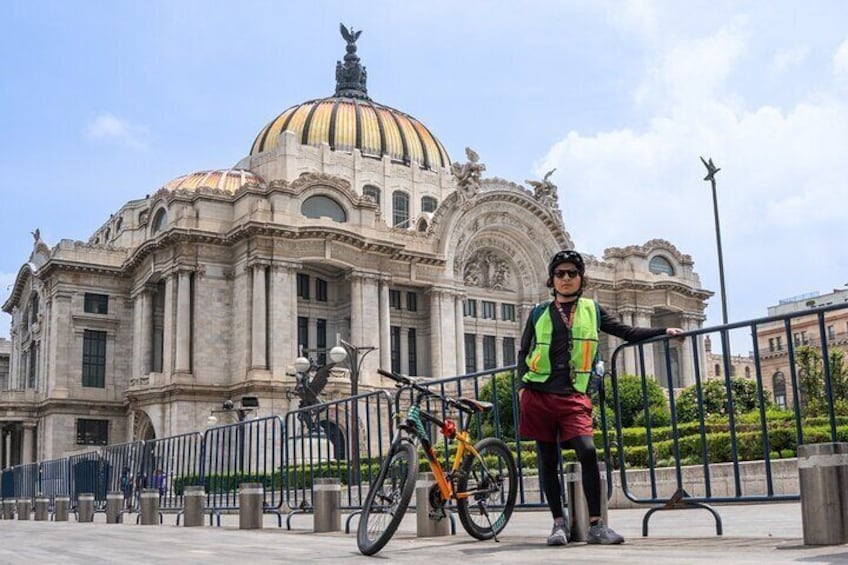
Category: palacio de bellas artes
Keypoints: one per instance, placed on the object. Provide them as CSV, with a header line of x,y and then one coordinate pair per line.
x,y
346,220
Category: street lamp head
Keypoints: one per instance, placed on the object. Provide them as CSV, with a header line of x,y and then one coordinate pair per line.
x,y
302,364
212,420
338,354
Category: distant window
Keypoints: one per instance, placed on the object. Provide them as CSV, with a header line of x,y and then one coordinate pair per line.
x,y
321,340
32,377
428,204
400,209
779,341
470,353
779,386
747,372
831,332
488,310
509,351
33,308
119,224
412,351
771,344
508,312
372,191
303,332
303,286
160,220
395,348
319,206
94,359
92,432
733,370
96,303
489,358
411,301
320,290
469,308
717,370
394,299
4,372
660,264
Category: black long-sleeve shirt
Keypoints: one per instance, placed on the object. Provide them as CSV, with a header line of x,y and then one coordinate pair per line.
x,y
560,349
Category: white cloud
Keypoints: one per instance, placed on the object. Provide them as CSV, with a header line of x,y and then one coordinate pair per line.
x,y
785,59
780,190
107,127
840,63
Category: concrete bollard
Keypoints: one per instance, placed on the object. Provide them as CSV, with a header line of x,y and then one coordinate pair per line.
x,y
823,481
9,509
42,509
250,506
149,502
60,510
578,510
194,502
24,508
85,507
426,525
326,500
114,502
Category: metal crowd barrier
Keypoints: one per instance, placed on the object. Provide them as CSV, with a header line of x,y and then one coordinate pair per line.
x,y
54,479
322,441
86,475
167,464
249,451
26,481
693,455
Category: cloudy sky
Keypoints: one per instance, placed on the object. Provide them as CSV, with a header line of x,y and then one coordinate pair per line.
x,y
103,102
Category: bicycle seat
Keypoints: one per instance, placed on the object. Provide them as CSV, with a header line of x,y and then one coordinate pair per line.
x,y
475,405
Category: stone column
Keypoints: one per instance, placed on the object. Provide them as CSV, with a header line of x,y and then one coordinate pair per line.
x,y
259,336
629,361
385,326
146,338
687,362
168,327
435,333
28,443
357,332
182,362
642,318
459,323
283,317
7,443
138,308
478,346
370,312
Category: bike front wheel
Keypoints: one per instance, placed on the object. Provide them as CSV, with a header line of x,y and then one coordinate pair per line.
x,y
491,482
387,499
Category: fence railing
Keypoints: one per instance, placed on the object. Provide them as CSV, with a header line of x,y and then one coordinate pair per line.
x,y
347,438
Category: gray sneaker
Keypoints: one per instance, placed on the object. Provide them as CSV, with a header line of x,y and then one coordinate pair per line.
x,y
603,534
558,536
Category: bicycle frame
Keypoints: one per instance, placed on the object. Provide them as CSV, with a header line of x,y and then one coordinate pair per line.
x,y
461,435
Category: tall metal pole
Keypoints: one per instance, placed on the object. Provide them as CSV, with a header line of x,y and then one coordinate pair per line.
x,y
355,364
711,171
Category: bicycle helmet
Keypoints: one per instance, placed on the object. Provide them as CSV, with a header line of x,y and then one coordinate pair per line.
x,y
567,256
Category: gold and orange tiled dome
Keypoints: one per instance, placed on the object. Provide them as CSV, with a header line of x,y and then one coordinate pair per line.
x,y
346,124
227,180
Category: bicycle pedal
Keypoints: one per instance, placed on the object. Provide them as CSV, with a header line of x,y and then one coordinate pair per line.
x,y
437,514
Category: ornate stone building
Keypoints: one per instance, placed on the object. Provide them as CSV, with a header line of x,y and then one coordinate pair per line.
x,y
346,219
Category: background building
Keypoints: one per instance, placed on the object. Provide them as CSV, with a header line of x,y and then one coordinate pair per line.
x,y
345,219
774,340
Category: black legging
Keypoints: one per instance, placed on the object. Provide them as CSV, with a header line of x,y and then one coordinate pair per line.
x,y
584,447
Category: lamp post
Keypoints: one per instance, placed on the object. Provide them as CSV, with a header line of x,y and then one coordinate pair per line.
x,y
711,171
355,355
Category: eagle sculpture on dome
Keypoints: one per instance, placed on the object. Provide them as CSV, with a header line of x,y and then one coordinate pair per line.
x,y
348,34
545,191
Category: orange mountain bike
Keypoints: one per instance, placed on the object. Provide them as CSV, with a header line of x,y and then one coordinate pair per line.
x,y
482,478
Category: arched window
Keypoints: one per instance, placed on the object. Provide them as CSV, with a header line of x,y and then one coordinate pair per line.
x,y
747,372
319,206
422,225
717,370
660,264
428,204
779,386
33,308
119,224
400,209
159,221
372,191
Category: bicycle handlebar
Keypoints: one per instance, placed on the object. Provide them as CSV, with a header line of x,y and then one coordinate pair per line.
x,y
410,382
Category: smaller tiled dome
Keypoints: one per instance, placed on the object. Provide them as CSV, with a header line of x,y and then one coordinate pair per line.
x,y
228,180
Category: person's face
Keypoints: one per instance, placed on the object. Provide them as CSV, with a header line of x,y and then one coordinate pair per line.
x,y
566,278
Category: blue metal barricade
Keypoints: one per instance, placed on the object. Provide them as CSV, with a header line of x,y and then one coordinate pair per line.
x,y
167,464
54,479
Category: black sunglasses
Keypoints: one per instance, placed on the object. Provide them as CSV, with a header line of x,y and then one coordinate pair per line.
x,y
561,273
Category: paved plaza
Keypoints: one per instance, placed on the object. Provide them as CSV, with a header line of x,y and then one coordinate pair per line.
x,y
752,534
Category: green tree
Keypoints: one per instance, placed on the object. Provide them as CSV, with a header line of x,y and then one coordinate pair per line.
x,y
502,383
810,368
714,393
632,402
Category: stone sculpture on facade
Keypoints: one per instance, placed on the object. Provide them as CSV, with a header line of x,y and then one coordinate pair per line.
x,y
468,175
486,270
545,191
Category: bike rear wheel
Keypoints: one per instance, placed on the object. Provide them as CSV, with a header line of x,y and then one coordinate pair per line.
x,y
493,479
387,499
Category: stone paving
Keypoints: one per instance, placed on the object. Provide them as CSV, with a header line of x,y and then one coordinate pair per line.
x,y
767,533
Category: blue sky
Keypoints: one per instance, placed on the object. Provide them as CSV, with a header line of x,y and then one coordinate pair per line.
x,y
103,102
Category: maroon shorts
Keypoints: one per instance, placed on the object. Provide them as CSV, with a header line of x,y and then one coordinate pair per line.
x,y
547,417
